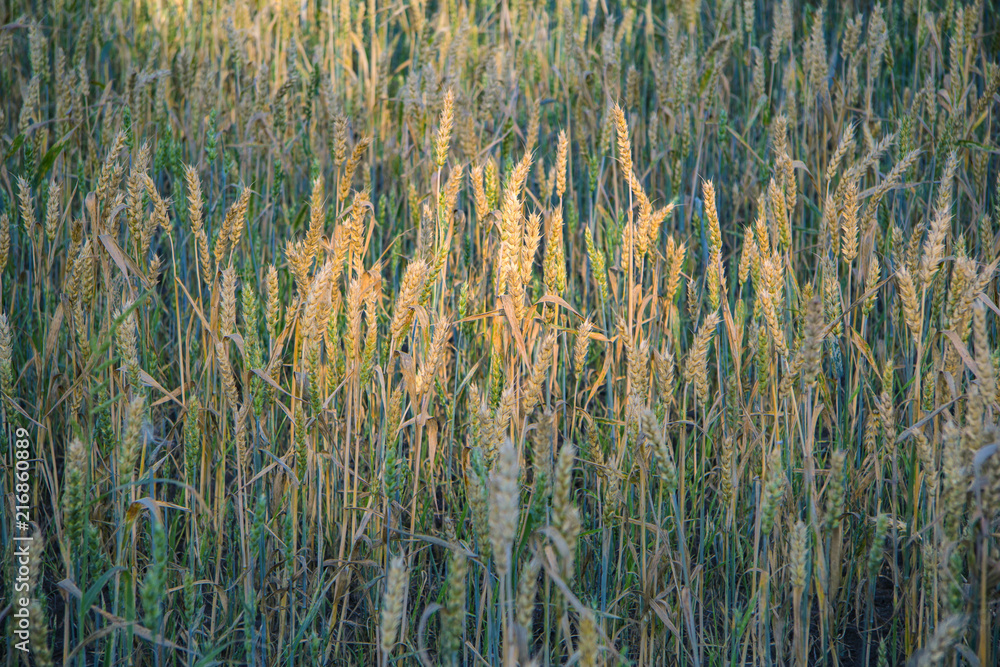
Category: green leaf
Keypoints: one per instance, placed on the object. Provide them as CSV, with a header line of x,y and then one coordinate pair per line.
x,y
93,591
50,157
300,217
14,147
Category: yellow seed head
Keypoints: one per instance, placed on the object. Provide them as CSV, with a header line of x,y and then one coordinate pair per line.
x,y
272,309
676,259
534,117
317,216
52,212
696,367
5,241
479,193
227,303
27,203
562,161
624,145
352,164
849,243
581,347
711,217
409,291
444,129
911,306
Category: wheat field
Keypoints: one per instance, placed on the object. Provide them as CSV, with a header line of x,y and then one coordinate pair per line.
x,y
517,332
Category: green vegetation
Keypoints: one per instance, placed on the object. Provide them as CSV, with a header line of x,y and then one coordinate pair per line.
x,y
470,332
